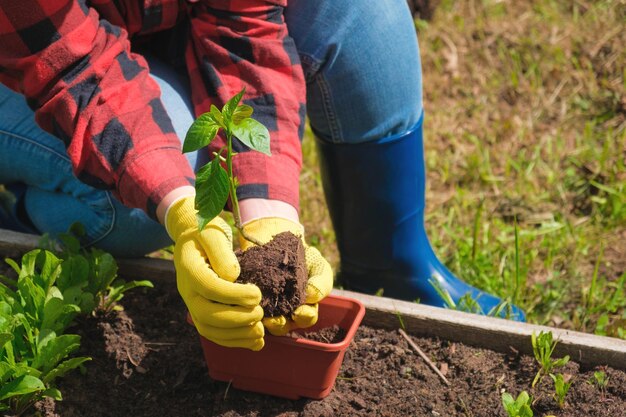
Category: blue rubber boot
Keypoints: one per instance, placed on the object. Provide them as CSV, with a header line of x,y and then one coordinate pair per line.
x,y
375,193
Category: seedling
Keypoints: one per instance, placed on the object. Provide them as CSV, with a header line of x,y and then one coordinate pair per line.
x,y
89,276
214,184
601,380
519,407
543,347
561,387
33,317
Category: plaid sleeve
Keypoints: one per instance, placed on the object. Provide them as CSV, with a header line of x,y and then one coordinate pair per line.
x,y
236,43
86,87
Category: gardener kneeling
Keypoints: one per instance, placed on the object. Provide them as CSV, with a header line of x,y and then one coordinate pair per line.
x,y
112,90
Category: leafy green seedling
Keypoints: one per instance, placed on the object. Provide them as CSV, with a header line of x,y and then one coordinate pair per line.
x,y
601,380
214,184
519,407
561,387
543,347
34,352
89,276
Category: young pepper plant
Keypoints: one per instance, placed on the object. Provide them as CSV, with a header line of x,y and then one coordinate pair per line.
x,y
214,184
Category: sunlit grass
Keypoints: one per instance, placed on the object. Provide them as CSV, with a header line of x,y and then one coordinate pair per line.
x,y
525,122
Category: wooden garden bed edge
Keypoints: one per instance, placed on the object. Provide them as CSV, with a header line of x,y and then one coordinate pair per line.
x,y
479,331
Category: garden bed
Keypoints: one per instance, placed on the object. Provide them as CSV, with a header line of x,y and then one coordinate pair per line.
x,y
148,361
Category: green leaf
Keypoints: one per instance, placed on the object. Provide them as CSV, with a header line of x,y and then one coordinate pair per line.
x,y
117,291
33,298
253,134
74,273
53,393
55,350
212,189
63,368
522,399
5,337
231,105
25,384
71,244
525,411
202,131
508,402
72,296
44,337
6,371
217,116
43,269
561,362
13,265
57,314
104,271
242,112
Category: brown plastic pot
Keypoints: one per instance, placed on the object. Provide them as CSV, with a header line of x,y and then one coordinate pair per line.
x,y
289,367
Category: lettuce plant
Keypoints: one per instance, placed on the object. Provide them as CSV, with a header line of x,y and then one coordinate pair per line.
x,y
89,276
37,308
33,317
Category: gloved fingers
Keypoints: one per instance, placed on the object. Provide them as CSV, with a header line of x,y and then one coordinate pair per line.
x,y
250,337
216,240
320,276
256,331
194,272
217,315
279,325
264,229
305,315
252,344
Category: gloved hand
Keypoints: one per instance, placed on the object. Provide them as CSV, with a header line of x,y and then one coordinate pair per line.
x,y
222,310
320,281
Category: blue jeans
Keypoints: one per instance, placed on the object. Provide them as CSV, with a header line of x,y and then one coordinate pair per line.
x,y
362,68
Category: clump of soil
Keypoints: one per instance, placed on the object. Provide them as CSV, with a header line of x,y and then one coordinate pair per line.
x,y
333,334
278,268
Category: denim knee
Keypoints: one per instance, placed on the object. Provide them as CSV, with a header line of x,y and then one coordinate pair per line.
x,y
362,66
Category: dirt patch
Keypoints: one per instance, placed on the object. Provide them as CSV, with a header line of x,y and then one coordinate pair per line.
x,y
278,268
380,375
334,334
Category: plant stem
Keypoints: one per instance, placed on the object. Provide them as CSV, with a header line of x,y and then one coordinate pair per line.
x,y
233,190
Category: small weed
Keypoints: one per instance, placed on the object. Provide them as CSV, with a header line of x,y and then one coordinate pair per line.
x,y
519,407
561,387
600,380
543,347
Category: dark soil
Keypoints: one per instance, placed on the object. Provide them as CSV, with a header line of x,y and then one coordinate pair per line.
x,y
278,268
334,334
148,361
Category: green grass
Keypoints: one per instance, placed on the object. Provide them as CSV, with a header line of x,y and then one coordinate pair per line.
x,y
525,124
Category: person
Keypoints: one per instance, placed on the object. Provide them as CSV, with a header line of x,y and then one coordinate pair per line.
x,y
95,98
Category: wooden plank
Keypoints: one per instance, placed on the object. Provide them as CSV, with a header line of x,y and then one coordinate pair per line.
x,y
487,332
480,331
14,245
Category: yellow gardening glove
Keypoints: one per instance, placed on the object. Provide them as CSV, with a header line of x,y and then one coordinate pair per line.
x,y
222,310
320,281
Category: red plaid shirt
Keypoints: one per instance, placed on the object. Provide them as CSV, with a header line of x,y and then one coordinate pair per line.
x,y
72,60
